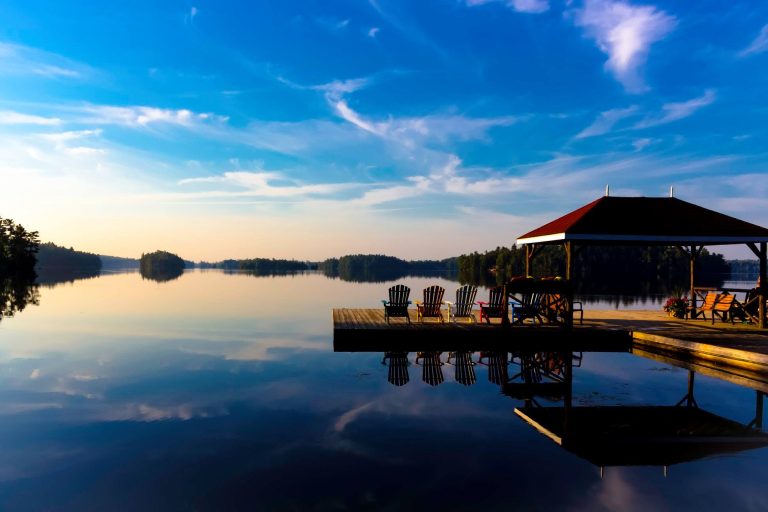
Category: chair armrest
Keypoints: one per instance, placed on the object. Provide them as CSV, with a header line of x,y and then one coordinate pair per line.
x,y
576,302
450,303
417,302
481,302
385,302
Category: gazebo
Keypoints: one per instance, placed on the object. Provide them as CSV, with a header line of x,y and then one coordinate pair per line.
x,y
665,221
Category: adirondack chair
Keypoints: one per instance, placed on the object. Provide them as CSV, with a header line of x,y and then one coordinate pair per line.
x,y
530,305
431,306
555,307
465,299
398,302
494,308
750,308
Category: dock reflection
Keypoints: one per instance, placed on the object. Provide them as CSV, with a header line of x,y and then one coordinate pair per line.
x,y
646,435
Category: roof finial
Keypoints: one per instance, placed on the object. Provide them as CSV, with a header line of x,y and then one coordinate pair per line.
x,y
607,190
671,191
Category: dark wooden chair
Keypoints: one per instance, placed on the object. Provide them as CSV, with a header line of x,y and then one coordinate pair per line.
x,y
398,302
462,308
494,308
431,306
750,308
555,308
530,305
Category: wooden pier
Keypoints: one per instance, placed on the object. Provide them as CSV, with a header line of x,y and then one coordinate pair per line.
x,y
722,347
365,330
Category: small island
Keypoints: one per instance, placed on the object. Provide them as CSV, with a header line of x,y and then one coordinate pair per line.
x,y
161,266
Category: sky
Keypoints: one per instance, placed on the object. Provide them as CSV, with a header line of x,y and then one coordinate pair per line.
x,y
310,129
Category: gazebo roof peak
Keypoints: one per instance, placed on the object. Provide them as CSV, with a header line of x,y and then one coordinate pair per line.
x,y
646,220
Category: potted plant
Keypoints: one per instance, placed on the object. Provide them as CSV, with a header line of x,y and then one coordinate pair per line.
x,y
675,306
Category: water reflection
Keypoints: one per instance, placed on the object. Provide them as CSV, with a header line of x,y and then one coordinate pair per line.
x,y
647,435
162,275
221,392
16,294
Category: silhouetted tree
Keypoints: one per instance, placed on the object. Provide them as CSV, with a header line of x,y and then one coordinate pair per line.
x,y
18,249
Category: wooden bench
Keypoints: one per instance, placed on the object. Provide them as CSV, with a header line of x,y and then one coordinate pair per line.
x,y
723,305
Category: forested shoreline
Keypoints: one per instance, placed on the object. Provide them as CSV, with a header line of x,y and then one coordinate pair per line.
x,y
598,268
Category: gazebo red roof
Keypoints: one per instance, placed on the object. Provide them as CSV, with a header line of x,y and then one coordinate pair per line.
x,y
646,220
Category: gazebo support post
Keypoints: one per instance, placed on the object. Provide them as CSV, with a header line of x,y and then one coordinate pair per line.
x,y
763,284
692,253
568,259
761,254
530,252
692,263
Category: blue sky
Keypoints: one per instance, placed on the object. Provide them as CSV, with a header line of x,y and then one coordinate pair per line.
x,y
310,129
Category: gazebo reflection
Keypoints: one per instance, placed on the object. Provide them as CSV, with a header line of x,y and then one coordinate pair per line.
x,y
655,435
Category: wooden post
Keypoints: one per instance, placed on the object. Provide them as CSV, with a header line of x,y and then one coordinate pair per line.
x,y
692,260
763,284
568,398
528,256
568,275
505,306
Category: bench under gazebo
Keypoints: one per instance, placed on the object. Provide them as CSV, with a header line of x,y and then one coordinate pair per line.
x,y
646,221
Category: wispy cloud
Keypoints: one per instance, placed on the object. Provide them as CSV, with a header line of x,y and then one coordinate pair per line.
x,y
261,184
142,116
529,6
332,24
338,88
641,144
410,130
373,32
11,117
625,33
675,111
189,17
758,45
16,59
606,121
408,30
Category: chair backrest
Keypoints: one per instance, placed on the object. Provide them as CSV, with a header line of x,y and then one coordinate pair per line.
x,y
709,301
465,298
398,295
724,302
496,297
752,301
433,299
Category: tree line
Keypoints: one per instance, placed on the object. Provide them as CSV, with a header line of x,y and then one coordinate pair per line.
x,y
378,267
598,268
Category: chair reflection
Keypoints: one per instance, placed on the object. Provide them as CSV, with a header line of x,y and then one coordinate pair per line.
x,y
397,367
431,367
464,367
498,366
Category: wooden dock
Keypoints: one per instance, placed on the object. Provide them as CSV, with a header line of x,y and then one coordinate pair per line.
x,y
365,330
721,347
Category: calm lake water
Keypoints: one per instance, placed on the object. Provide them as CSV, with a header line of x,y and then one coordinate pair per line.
x,y
218,391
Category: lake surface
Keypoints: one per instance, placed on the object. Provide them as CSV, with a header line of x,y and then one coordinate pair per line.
x,y
221,391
